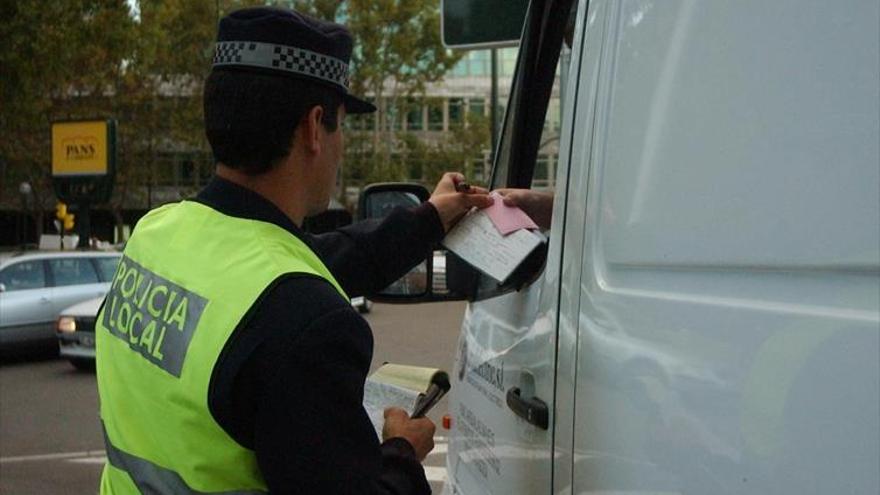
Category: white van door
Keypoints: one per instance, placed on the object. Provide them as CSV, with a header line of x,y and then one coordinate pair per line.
x,y
728,333
504,377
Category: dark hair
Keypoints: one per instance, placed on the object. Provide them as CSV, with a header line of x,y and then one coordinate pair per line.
x,y
250,117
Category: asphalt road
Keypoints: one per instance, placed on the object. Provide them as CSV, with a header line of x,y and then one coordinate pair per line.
x,y
50,438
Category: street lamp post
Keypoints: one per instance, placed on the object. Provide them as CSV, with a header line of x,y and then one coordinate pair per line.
x,y
25,190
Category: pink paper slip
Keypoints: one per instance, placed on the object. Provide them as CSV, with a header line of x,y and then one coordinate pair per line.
x,y
508,219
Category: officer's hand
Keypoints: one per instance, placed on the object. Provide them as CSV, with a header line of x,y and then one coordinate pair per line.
x,y
452,205
537,205
418,432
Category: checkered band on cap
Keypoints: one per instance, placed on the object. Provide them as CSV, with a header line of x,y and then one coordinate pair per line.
x,y
284,58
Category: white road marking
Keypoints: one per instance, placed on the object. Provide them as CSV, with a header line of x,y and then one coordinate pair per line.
x,y
52,457
435,473
439,448
100,459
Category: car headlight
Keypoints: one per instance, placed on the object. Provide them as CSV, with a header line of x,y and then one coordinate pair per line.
x,y
66,324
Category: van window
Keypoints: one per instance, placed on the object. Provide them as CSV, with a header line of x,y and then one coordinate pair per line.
x,y
23,276
73,271
530,130
528,150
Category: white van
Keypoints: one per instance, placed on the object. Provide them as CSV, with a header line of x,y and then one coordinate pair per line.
x,y
706,318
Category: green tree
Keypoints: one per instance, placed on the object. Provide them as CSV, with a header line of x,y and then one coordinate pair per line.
x,y
158,99
398,52
77,59
64,60
394,65
461,149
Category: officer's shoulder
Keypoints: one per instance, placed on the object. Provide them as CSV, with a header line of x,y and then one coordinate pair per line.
x,y
304,294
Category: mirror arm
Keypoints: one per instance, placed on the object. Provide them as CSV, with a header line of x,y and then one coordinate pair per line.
x,y
371,205
529,270
461,278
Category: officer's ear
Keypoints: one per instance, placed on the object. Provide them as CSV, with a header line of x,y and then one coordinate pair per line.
x,y
311,129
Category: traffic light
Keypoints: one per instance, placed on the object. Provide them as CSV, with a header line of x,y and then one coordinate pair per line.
x,y
60,210
68,221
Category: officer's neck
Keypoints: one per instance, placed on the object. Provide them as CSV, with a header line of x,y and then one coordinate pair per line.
x,y
281,186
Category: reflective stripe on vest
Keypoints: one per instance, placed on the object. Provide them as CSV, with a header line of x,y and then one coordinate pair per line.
x,y
152,479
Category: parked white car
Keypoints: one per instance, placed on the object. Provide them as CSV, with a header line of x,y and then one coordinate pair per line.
x,y
35,286
75,328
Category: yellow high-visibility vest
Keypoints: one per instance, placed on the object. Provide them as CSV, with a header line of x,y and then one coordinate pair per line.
x,y
188,276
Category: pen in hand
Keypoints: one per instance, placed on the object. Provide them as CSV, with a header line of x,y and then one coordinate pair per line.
x,y
427,401
438,388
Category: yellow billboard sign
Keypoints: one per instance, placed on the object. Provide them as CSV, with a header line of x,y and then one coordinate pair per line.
x,y
80,148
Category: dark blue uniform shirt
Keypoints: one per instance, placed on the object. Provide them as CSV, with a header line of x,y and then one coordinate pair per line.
x,y
289,383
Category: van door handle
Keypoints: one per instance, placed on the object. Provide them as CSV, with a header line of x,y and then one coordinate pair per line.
x,y
45,300
532,409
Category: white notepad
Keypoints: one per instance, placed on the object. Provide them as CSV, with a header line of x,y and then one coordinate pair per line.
x,y
398,385
476,240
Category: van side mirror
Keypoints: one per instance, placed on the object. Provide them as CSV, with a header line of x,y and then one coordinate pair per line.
x,y
2,287
377,200
443,276
427,281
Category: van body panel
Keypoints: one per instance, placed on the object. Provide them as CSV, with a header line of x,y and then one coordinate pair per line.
x,y
739,132
570,219
729,321
708,319
504,345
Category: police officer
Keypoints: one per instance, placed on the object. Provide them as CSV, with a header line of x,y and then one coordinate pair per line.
x,y
229,359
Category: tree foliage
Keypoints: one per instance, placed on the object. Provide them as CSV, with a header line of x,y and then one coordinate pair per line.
x,y
62,61
96,59
460,150
81,59
398,54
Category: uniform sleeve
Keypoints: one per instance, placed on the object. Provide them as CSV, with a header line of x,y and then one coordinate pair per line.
x,y
367,256
311,433
289,386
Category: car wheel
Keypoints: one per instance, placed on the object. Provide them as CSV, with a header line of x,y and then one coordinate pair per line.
x,y
83,364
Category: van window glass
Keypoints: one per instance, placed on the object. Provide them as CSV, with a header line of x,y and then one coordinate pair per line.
x,y
107,267
529,129
73,271
544,173
528,152
23,276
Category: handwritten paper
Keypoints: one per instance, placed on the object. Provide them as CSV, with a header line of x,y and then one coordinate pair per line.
x,y
508,219
399,385
379,395
476,240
